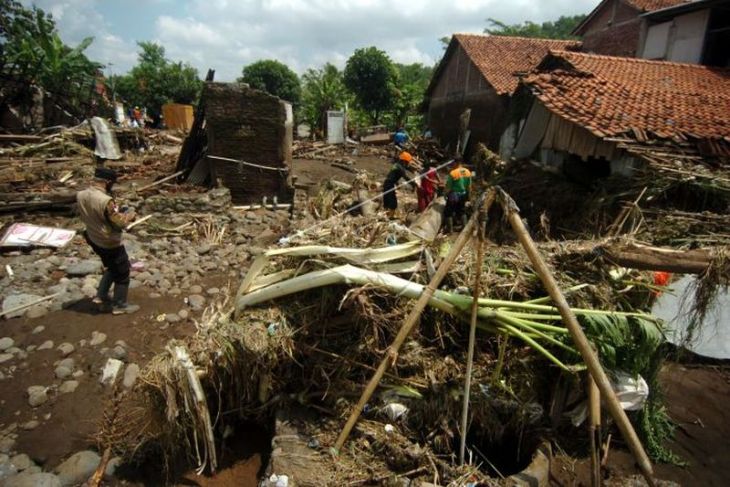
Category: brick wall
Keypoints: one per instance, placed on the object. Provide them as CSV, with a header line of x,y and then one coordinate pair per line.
x,y
249,125
617,40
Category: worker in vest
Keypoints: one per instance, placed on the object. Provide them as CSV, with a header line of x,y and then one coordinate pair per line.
x,y
104,222
397,172
458,186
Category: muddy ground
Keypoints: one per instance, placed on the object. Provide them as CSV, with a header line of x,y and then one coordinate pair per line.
x,y
67,422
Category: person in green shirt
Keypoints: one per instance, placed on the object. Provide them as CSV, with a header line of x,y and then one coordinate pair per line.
x,y
458,187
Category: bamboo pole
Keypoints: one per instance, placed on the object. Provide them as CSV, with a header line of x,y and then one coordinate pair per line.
x,y
152,185
479,244
138,222
408,324
28,305
579,337
594,405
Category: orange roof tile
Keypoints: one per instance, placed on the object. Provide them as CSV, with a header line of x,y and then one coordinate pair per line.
x,y
499,58
651,5
613,95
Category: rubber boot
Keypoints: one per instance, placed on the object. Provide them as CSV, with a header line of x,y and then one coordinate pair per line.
x,y
450,223
102,292
120,301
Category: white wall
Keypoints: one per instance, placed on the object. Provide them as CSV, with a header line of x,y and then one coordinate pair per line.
x,y
680,40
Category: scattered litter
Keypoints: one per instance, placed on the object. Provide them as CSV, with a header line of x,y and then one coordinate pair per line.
x,y
26,235
110,371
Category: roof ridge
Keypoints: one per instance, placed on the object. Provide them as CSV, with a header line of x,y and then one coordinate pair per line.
x,y
531,39
561,53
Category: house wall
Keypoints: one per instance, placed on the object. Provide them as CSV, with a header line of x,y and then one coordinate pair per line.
x,y
459,87
680,39
252,126
614,30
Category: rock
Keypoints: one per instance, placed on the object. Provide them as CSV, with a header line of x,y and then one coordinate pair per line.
x,y
30,425
30,348
196,301
6,444
5,343
213,291
110,371
183,314
7,469
22,462
67,362
38,329
111,467
172,318
6,357
41,479
78,468
97,338
203,249
47,345
66,349
119,352
84,268
36,311
130,375
68,387
37,395
62,372
77,374
17,300
195,289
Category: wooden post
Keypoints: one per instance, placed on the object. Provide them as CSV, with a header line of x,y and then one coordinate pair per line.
x,y
479,244
579,338
594,409
408,324
160,181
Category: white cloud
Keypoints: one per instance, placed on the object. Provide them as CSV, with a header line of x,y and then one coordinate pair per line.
x,y
228,34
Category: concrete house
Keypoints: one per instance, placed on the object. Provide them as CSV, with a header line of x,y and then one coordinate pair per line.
x,y
591,116
614,26
696,32
480,72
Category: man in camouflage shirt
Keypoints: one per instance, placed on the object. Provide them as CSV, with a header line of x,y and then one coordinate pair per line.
x,y
105,223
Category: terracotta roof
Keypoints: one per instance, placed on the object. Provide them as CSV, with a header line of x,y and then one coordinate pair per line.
x,y
614,95
651,5
499,58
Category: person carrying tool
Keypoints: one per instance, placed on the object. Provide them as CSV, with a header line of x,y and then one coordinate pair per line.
x,y
458,186
104,222
427,190
399,171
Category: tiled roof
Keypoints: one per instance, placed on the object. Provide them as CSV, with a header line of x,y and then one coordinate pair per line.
x,y
613,95
499,58
651,5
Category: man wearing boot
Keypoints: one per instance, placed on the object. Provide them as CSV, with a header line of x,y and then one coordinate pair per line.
x,y
104,223
458,186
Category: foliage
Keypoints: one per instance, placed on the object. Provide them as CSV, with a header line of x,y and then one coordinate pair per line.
x,y
323,89
275,78
31,42
371,76
410,89
559,29
626,343
155,80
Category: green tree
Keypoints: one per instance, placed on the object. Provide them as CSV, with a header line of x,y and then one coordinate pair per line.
x,y
559,29
155,80
31,42
275,78
370,76
323,89
410,89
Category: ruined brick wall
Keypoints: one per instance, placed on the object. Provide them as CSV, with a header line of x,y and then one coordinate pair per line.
x,y
248,125
614,30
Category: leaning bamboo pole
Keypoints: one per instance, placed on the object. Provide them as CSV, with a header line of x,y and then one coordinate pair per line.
x,y
579,337
408,324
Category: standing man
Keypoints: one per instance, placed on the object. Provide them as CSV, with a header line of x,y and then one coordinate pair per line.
x,y
104,223
397,172
458,186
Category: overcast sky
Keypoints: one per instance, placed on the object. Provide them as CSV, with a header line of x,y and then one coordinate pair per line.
x,y
226,34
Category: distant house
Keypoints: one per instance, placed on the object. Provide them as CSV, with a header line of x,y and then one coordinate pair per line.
x,y
614,26
480,72
603,115
696,32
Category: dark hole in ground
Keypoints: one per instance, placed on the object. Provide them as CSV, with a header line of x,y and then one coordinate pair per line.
x,y
242,459
511,455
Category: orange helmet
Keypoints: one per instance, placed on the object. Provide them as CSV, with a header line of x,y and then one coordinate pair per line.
x,y
405,157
